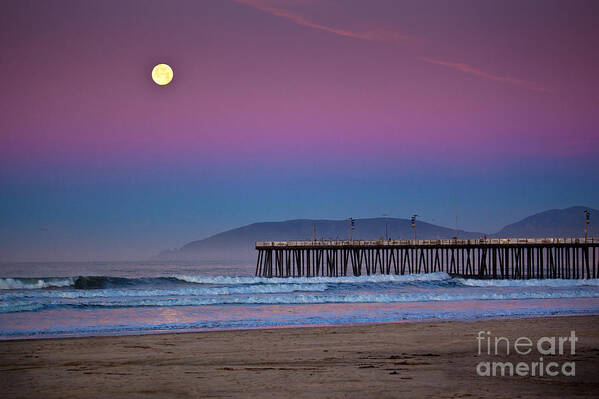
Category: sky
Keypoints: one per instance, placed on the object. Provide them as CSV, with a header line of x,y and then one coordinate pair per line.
x,y
287,109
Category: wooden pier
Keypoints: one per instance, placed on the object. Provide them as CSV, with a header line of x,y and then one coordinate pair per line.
x,y
501,258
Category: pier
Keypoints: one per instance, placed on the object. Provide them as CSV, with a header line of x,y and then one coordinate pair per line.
x,y
499,258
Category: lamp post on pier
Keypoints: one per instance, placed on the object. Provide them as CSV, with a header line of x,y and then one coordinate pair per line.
x,y
587,220
351,227
414,224
386,226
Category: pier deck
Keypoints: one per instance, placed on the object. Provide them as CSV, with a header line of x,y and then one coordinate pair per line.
x,y
502,258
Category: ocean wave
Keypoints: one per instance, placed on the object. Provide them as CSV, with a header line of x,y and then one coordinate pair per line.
x,y
122,302
355,319
81,282
557,283
110,282
103,282
35,283
190,291
374,278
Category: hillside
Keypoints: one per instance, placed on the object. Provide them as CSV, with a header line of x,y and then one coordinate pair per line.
x,y
238,244
567,222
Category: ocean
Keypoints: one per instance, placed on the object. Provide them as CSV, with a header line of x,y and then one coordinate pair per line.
x,y
41,300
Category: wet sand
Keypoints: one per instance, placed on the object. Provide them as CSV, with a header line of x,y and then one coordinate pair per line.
x,y
424,359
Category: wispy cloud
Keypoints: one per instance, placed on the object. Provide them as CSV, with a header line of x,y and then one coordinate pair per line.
x,y
379,34
385,35
471,70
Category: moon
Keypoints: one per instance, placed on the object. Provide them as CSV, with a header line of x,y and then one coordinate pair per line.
x,y
162,74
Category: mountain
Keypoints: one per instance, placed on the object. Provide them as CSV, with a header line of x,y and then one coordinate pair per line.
x,y
567,222
238,244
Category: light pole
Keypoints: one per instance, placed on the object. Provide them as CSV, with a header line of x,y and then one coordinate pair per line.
x,y
351,227
587,220
386,226
414,225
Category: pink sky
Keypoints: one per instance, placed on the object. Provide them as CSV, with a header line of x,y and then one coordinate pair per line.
x,y
332,87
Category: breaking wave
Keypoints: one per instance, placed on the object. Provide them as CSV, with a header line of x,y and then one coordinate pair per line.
x,y
105,304
375,278
557,283
223,285
102,282
160,301
35,283
193,291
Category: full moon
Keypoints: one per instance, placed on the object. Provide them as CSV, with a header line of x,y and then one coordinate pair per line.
x,y
162,74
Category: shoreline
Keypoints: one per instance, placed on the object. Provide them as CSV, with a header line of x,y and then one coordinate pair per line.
x,y
414,359
291,326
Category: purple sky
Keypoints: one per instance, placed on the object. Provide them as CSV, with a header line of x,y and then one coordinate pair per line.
x,y
287,109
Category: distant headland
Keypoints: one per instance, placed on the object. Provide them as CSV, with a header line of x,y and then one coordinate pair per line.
x,y
238,243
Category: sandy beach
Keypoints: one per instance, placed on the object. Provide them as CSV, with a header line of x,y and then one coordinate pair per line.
x,y
421,359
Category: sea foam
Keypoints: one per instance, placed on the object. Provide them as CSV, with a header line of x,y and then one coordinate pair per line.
x,y
34,283
557,283
307,298
374,278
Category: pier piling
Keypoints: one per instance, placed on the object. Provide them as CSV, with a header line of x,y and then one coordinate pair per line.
x,y
501,258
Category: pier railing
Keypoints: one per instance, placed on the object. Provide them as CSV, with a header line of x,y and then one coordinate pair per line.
x,y
517,258
449,242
